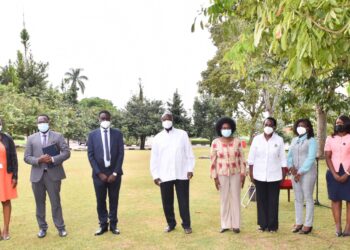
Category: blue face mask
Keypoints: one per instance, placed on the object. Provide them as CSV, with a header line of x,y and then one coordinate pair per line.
x,y
43,127
226,132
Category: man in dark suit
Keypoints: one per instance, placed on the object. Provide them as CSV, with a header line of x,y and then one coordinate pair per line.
x,y
46,173
106,155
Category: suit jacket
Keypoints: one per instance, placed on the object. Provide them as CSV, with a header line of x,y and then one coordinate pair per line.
x,y
34,151
96,154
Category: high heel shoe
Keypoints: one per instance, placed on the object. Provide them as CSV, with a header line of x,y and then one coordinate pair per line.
x,y
345,234
297,228
305,232
6,237
339,234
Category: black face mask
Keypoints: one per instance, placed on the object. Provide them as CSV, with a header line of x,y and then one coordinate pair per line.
x,y
339,128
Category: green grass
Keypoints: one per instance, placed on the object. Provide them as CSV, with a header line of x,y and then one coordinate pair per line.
x,y
141,218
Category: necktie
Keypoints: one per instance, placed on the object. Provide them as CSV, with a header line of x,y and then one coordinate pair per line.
x,y
108,158
44,139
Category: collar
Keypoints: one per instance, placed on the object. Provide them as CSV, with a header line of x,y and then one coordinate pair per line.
x,y
169,130
302,138
103,129
47,133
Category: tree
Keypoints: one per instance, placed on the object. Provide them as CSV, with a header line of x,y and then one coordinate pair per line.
x,y
76,82
206,111
312,37
90,107
180,118
248,92
25,41
8,74
142,117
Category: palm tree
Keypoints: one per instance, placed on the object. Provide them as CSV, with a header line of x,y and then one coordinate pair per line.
x,y
74,78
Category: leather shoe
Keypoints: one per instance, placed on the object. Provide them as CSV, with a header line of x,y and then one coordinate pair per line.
x,y
62,233
302,231
297,228
236,230
115,231
168,229
223,230
101,231
188,230
42,233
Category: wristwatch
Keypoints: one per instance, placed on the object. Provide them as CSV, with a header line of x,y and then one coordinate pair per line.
x,y
114,173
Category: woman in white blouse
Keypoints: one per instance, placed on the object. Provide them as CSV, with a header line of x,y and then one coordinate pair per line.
x,y
266,159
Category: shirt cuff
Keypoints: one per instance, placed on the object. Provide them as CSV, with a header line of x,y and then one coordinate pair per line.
x,y
52,159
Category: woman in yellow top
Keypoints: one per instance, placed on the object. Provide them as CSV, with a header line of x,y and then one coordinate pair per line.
x,y
8,178
228,171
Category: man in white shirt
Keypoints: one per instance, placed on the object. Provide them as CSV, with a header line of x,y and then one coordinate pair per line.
x,y
172,164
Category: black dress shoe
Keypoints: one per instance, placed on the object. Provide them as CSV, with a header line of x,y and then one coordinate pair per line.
x,y
42,233
223,230
115,231
261,229
101,231
62,233
236,230
168,229
188,230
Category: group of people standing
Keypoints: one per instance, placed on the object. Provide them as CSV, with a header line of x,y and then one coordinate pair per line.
x,y
172,165
46,151
268,166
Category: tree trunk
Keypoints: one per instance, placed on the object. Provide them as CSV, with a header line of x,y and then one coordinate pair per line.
x,y
252,131
68,142
321,130
142,142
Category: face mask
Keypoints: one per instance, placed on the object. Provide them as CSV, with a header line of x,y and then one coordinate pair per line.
x,y
105,124
339,128
268,130
301,130
226,132
167,124
43,127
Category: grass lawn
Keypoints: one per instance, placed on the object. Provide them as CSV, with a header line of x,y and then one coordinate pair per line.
x,y
141,218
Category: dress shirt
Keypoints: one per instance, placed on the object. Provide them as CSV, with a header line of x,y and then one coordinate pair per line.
x,y
267,157
107,163
340,148
43,138
311,155
171,155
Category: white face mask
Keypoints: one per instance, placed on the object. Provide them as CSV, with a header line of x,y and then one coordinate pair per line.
x,y
301,130
167,124
268,130
226,132
43,127
105,124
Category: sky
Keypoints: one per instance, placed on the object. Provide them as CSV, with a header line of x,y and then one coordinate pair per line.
x,y
115,42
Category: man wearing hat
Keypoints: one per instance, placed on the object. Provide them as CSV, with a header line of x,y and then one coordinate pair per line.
x,y
172,164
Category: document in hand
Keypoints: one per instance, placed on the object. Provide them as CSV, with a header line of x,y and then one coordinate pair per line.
x,y
51,150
